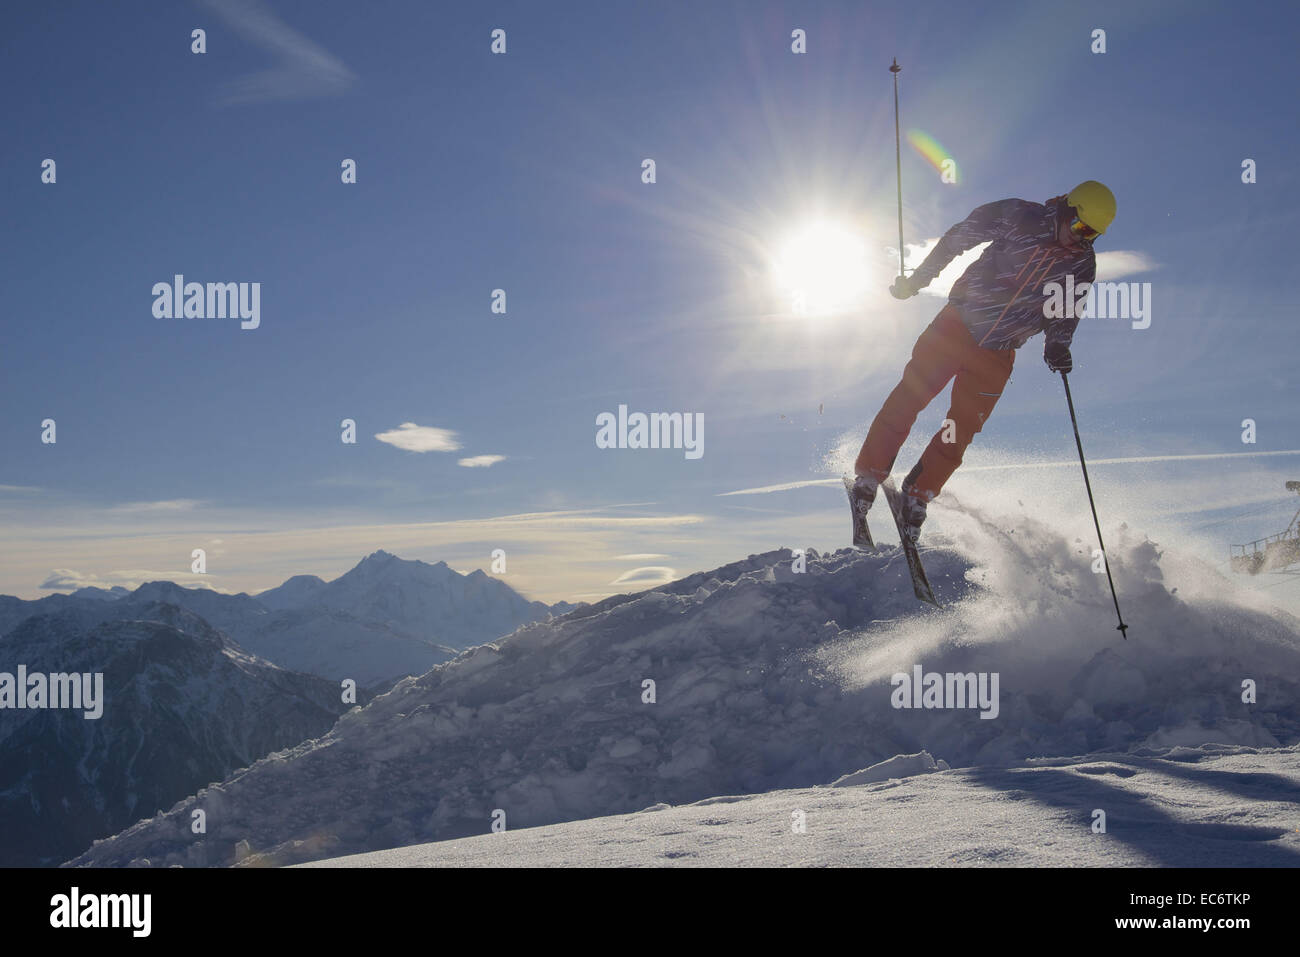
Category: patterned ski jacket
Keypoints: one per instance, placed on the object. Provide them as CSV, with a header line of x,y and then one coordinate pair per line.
x,y
1000,296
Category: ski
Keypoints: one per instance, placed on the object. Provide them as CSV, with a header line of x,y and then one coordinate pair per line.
x,y
920,583
861,533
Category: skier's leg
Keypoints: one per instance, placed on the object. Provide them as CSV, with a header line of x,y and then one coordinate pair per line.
x,y
978,386
936,358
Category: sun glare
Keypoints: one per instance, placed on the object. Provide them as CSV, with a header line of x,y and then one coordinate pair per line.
x,y
821,270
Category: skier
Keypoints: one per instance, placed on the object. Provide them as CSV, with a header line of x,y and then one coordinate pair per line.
x,y
994,307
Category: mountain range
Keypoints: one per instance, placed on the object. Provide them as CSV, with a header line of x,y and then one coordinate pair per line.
x,y
385,618
199,684
182,706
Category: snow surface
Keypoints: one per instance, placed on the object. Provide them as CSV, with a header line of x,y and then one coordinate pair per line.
x,y
769,679
1215,806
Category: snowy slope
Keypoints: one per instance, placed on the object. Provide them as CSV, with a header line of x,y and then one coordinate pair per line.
x,y
13,611
1216,806
331,642
767,679
337,645
182,707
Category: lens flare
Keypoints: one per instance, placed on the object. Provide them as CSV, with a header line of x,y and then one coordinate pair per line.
x,y
933,152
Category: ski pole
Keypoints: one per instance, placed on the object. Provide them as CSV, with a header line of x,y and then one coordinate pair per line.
x,y
898,165
1122,628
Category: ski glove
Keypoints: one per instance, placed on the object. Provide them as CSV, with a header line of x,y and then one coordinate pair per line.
x,y
1057,356
903,288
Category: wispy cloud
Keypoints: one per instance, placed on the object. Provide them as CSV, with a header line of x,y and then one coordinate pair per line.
x,y
646,575
420,438
782,487
166,505
348,481
68,579
1113,264
639,557
481,461
19,489
304,69
1064,463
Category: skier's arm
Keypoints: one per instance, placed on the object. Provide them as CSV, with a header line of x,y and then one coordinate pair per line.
x,y
1060,331
985,223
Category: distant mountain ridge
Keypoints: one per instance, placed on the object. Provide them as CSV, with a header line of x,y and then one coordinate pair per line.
x,y
385,618
434,601
104,594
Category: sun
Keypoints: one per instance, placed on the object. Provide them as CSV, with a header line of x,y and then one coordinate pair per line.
x,y
821,269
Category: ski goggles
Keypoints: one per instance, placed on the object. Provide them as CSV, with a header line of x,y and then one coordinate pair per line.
x,y
1081,230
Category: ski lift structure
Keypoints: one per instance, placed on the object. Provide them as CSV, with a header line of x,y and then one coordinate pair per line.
x,y
1275,553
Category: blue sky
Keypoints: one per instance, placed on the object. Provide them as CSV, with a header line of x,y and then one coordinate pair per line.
x,y
522,171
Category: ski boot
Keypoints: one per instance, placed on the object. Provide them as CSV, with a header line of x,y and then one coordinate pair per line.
x,y
912,511
862,494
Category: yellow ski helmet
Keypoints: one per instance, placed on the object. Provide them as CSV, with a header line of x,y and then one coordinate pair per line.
x,y
1093,203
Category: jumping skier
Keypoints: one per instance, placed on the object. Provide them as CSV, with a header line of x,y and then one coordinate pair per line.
x,y
994,307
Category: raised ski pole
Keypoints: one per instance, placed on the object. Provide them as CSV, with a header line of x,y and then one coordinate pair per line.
x,y
898,165
1122,628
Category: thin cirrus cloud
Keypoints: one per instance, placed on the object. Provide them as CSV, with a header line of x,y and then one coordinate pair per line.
x,y
481,461
420,438
302,69
1021,465
167,505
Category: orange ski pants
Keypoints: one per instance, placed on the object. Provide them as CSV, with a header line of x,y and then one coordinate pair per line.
x,y
944,350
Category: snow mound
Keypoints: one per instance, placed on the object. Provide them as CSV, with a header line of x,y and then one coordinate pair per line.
x,y
899,766
753,677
